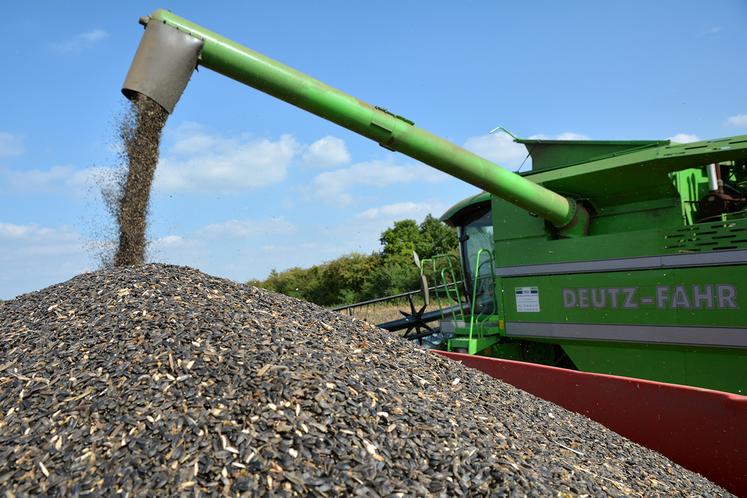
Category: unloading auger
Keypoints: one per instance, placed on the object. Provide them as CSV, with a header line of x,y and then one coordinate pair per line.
x,y
172,47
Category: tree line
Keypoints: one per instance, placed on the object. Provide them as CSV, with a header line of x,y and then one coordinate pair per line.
x,y
358,277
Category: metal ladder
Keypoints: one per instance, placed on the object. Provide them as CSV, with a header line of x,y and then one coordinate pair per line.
x,y
446,271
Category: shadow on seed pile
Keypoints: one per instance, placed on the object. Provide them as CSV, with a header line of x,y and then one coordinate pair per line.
x,y
161,380
140,133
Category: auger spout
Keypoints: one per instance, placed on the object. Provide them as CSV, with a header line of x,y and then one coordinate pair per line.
x,y
172,46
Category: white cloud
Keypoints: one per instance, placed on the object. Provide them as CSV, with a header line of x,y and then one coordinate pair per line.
x,y
569,135
713,30
171,241
738,120
399,210
57,178
197,162
204,163
247,228
181,250
39,236
334,186
230,248
499,148
326,152
684,138
11,231
34,256
10,145
80,41
198,143
566,135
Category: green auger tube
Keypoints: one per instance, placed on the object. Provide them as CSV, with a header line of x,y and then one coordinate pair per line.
x,y
172,46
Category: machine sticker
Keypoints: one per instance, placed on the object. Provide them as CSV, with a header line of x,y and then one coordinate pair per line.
x,y
527,299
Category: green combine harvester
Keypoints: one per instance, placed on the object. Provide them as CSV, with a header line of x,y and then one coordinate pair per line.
x,y
618,257
653,286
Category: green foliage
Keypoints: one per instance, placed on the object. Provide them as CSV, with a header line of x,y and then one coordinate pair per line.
x,y
358,277
436,237
429,238
393,277
400,240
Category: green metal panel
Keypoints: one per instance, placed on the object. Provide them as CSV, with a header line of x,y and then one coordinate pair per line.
x,y
682,325
692,297
713,368
390,130
530,245
636,216
548,154
512,223
640,175
692,184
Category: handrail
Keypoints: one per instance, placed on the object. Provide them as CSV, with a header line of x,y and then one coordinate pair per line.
x,y
448,276
448,286
474,287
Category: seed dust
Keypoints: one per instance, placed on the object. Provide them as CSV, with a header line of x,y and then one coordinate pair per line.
x,y
140,133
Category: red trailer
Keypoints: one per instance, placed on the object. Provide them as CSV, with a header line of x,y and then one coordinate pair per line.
x,y
702,430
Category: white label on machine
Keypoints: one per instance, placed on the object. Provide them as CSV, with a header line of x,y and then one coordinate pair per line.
x,y
527,299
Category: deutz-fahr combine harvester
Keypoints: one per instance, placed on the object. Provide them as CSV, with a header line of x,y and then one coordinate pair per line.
x,y
648,279
616,257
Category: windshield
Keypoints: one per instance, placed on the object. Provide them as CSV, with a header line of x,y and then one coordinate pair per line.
x,y
476,235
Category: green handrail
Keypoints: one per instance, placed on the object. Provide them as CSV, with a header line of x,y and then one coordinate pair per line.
x,y
442,269
473,303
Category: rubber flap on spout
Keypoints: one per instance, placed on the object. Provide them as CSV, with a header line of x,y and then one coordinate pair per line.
x,y
163,64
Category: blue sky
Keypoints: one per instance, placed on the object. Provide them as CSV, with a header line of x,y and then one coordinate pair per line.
x,y
248,183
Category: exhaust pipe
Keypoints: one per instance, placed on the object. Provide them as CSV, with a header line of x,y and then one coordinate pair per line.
x,y
163,64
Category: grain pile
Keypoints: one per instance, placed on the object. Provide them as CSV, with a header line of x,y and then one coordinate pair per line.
x,y
140,133
161,380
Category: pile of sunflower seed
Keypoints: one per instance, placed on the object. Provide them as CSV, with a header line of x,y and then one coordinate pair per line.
x,y
161,380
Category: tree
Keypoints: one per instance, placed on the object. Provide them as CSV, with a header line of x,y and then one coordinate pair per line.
x,y
399,241
357,277
435,238
429,238
393,277
343,278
